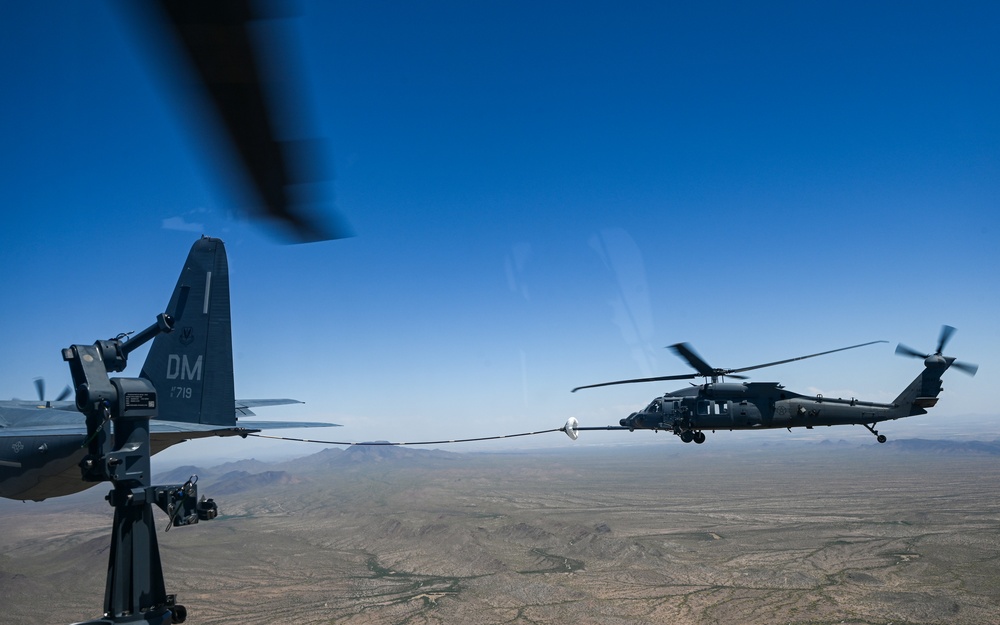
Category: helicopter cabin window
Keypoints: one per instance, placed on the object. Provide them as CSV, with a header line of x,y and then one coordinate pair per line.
x,y
723,407
705,407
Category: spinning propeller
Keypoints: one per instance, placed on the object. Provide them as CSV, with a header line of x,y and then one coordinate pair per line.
x,y
946,333
235,54
40,387
685,351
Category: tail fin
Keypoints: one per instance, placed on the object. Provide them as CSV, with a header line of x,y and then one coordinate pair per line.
x,y
922,393
192,367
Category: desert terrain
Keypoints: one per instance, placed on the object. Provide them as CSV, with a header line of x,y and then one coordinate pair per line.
x,y
903,533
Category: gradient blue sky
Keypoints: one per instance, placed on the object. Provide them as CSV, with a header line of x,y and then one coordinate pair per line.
x,y
544,195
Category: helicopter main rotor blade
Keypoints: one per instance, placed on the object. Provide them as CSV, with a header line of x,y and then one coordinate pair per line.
x,y
781,362
704,370
686,376
685,351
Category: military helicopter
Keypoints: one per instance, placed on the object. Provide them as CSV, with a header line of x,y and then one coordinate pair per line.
x,y
720,405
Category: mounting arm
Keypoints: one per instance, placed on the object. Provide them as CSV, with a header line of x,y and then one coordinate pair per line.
x,y
135,591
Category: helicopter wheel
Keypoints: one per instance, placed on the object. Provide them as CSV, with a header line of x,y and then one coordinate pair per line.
x,y
699,437
880,438
687,436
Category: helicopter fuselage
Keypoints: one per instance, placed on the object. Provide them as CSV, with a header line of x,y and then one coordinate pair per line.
x,y
751,405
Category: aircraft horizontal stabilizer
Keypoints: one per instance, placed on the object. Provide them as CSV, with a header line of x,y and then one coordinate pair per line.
x,y
243,406
281,425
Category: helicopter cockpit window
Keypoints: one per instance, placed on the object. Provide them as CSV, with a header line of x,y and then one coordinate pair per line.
x,y
653,407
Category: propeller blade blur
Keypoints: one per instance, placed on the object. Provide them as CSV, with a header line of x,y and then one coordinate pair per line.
x,y
965,367
685,351
233,54
903,350
946,332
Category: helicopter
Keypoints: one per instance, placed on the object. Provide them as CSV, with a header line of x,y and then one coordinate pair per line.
x,y
720,405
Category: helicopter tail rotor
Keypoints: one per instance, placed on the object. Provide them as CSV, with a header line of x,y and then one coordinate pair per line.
x,y
945,336
938,356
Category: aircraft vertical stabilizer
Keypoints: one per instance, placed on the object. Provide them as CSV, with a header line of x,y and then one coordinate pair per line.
x,y
916,398
923,392
192,367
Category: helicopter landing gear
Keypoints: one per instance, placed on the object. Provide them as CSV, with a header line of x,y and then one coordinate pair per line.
x,y
871,428
688,436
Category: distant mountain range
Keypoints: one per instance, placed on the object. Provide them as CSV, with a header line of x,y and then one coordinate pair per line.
x,y
990,448
233,477
247,474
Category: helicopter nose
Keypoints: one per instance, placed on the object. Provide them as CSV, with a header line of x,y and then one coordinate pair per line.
x,y
627,421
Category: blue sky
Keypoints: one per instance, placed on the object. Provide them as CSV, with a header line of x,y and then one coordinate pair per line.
x,y
544,195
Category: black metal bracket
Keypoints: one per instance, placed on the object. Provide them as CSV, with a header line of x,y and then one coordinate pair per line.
x,y
135,591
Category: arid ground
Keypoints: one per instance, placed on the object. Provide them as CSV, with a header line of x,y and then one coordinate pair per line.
x,y
671,533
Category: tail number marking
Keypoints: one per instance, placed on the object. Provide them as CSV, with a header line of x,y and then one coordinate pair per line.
x,y
180,367
181,392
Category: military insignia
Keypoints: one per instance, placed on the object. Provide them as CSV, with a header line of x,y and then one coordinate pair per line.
x,y
187,335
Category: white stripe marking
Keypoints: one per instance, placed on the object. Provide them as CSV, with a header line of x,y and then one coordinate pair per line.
x,y
208,290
